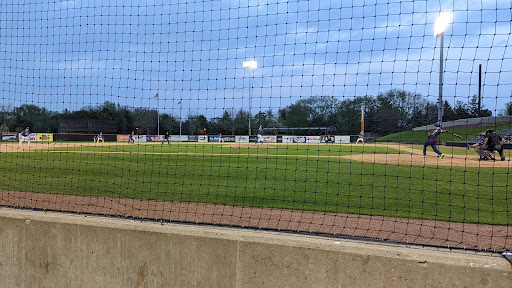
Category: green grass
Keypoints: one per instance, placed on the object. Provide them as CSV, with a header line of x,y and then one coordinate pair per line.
x,y
458,194
290,150
421,136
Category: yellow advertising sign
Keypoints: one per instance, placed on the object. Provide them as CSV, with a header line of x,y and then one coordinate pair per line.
x,y
48,137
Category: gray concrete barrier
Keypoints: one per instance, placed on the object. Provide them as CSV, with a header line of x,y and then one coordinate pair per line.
x,y
40,249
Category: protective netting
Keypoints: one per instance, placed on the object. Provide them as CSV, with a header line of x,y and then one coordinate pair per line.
x,y
306,116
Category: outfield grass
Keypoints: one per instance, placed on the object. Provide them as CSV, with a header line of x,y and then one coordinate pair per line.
x,y
254,178
421,136
224,149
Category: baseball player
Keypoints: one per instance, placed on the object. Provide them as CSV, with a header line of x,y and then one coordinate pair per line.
x,y
360,138
260,137
480,150
131,138
100,137
220,138
494,142
432,140
166,138
25,136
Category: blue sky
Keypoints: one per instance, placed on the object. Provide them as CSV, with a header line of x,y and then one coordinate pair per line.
x,y
70,54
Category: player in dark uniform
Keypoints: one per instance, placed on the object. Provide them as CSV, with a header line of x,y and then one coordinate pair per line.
x,y
166,138
131,138
493,142
432,141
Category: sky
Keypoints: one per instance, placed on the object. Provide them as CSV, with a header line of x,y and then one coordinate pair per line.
x,y
72,54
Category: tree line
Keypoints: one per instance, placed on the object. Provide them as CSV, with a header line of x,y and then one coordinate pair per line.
x,y
389,112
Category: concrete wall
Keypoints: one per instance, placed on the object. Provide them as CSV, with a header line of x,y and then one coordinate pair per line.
x,y
57,250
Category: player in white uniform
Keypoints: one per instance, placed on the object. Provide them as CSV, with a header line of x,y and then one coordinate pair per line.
x,y
260,137
220,138
360,138
100,137
25,136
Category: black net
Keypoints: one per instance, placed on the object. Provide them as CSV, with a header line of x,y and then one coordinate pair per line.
x,y
307,116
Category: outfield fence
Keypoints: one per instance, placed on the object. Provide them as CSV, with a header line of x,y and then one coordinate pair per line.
x,y
211,73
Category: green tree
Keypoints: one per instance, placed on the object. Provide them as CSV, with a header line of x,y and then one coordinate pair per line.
x,y
38,119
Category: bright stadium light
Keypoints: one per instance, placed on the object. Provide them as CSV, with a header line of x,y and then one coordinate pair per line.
x,y
442,22
251,65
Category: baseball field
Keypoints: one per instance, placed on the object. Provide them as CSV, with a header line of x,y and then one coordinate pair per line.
x,y
389,180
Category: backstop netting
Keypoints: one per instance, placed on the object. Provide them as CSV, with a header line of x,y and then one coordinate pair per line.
x,y
305,116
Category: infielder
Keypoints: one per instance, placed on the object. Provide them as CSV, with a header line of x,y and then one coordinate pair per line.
x,y
25,136
100,137
220,138
360,138
166,138
260,137
432,140
131,138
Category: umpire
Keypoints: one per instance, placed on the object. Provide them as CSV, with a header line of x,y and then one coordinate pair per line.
x,y
494,142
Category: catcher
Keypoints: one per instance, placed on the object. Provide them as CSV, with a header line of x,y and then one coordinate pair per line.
x,y
480,150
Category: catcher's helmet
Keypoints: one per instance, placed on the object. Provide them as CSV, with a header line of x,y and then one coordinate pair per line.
x,y
437,124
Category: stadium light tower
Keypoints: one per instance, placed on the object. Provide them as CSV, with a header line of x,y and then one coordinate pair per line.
x,y
251,65
442,22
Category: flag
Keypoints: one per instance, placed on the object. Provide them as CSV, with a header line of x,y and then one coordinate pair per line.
x,y
156,96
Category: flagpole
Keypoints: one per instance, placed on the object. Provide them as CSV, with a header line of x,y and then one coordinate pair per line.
x,y
158,114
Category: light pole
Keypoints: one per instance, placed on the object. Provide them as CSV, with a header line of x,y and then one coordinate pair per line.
x,y
441,23
251,65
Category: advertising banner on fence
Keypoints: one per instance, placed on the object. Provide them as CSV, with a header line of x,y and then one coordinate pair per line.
x,y
153,138
214,138
33,137
139,138
242,139
270,139
342,139
177,138
313,139
123,138
9,137
287,139
299,139
47,137
229,138
193,139
202,138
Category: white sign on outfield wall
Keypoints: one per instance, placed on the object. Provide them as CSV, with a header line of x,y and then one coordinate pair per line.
x,y
287,139
178,138
341,139
139,138
270,139
242,139
313,139
202,138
